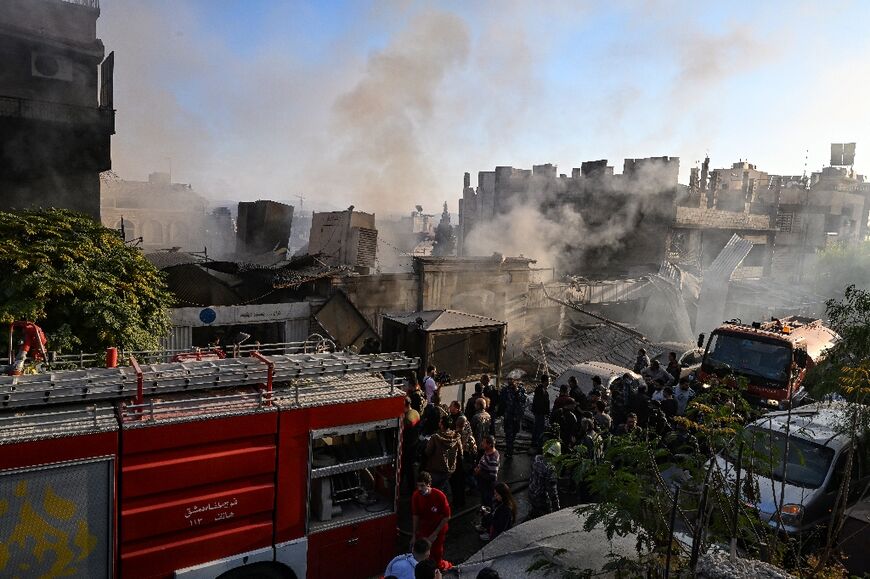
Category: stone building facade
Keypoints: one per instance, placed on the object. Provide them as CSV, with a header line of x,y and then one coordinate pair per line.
x,y
54,130
831,209
165,215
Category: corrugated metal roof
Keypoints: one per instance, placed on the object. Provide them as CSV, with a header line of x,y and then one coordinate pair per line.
x,y
600,343
291,278
193,286
729,259
164,259
435,320
287,275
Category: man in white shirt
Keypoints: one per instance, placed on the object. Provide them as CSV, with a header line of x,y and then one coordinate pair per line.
x,y
402,567
683,395
429,385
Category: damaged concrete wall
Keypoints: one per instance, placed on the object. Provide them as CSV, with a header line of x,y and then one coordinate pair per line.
x,y
263,226
374,295
592,222
488,286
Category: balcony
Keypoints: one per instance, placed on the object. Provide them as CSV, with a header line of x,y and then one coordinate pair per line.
x,y
12,107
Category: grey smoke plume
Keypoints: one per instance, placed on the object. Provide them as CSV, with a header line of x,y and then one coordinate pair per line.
x,y
570,224
380,121
275,123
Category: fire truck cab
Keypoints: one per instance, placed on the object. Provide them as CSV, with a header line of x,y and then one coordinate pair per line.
x,y
773,356
265,466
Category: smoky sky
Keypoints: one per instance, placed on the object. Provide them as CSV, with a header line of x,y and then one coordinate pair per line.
x,y
391,111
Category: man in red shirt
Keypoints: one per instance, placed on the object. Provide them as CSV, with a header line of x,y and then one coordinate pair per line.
x,y
430,513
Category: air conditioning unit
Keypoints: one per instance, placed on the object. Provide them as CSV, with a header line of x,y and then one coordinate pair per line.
x,y
46,65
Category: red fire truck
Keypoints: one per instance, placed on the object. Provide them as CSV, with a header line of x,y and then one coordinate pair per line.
x,y
773,356
262,466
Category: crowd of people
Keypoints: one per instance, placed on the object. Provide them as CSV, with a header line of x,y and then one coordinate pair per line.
x,y
628,406
449,450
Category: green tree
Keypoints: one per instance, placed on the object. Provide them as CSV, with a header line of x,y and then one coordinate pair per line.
x,y
850,318
845,372
853,384
632,483
80,282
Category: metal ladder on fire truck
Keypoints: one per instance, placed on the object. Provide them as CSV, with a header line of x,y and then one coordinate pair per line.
x,y
137,381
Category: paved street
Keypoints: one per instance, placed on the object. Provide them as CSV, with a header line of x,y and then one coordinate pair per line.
x,y
462,538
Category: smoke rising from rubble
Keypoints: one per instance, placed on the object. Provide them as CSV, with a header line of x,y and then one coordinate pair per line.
x,y
540,225
381,118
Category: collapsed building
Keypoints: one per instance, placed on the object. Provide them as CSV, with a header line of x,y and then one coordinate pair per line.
x,y
625,216
738,237
787,218
216,301
716,241
263,227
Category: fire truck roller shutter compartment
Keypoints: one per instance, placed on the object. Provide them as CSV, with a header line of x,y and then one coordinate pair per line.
x,y
55,520
197,481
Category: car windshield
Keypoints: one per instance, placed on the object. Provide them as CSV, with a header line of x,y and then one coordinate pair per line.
x,y
807,465
744,355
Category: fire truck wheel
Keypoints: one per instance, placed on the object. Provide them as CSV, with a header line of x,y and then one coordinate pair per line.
x,y
259,571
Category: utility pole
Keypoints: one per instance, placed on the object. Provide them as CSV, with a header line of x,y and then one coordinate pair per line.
x,y
301,198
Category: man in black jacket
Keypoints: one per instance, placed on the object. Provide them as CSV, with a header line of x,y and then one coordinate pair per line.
x,y
491,393
639,404
512,405
579,397
567,421
540,409
470,405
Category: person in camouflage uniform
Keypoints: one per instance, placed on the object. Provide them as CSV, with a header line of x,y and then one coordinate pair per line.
x,y
543,481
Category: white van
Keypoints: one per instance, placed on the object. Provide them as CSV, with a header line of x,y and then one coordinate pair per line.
x,y
814,469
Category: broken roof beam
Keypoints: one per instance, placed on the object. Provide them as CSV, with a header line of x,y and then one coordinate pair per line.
x,y
607,321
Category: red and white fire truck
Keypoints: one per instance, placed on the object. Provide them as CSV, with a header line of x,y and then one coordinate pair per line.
x,y
773,356
262,466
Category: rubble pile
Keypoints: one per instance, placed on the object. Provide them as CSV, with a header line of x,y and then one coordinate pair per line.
x,y
718,565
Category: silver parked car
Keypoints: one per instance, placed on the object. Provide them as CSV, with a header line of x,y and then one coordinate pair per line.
x,y
812,471
584,373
